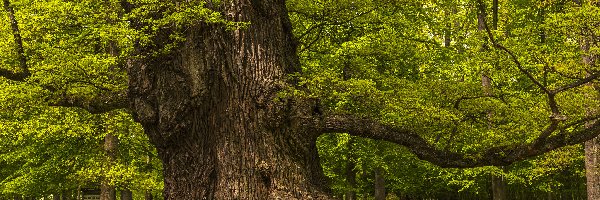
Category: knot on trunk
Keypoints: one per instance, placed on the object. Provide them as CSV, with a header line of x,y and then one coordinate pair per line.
x,y
265,172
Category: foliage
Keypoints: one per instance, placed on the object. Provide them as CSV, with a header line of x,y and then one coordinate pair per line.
x,y
51,150
389,60
416,64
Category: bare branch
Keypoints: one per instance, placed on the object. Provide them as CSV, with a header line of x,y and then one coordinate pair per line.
x,y
546,133
368,128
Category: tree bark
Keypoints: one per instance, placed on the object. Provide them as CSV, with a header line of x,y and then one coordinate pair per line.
x,y
211,108
592,147
592,158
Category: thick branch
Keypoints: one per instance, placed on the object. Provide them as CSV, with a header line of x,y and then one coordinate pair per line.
x,y
498,156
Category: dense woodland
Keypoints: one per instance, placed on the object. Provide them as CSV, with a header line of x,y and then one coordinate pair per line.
x,y
297,99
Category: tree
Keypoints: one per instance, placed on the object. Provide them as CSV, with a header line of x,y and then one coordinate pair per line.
x,y
54,149
591,146
221,93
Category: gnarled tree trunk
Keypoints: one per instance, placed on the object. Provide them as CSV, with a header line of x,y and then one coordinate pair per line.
x,y
211,108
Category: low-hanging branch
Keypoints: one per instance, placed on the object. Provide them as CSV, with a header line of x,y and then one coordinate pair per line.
x,y
552,137
496,156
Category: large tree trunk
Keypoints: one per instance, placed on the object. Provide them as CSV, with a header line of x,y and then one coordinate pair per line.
x,y
211,108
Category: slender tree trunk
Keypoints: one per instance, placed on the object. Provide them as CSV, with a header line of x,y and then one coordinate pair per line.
x,y
55,196
592,147
126,194
498,183
495,14
379,184
78,193
448,30
498,187
111,146
350,173
213,110
14,25
592,158
148,195
66,195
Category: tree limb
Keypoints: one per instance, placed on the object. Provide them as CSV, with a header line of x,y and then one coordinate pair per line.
x,y
98,104
497,156
577,83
